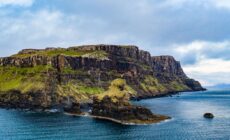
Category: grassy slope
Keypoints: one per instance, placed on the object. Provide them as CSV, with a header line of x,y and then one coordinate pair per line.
x,y
78,90
34,79
66,52
118,89
23,79
151,84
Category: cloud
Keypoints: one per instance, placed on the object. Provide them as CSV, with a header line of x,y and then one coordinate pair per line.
x,y
203,3
24,3
210,71
197,50
153,22
209,66
35,30
52,28
208,62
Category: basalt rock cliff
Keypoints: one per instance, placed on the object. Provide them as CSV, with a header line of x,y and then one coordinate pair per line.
x,y
62,78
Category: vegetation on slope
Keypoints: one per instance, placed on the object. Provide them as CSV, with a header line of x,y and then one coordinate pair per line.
x,y
102,55
151,84
118,89
78,90
66,52
23,79
176,86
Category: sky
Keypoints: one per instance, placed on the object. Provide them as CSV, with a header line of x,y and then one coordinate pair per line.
x,y
195,32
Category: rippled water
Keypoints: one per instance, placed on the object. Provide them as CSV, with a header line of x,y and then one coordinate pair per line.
x,y
186,110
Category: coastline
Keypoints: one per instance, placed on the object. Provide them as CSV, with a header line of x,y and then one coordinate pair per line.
x,y
119,121
161,95
131,122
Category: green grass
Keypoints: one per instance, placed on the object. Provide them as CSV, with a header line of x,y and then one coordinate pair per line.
x,y
151,84
127,46
78,90
175,85
66,52
22,79
118,89
97,54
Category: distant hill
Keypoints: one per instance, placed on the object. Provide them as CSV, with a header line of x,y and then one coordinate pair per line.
x,y
220,86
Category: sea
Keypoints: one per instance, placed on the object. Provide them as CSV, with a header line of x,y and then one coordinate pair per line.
x,y
187,123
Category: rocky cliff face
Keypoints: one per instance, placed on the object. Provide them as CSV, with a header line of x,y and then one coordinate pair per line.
x,y
56,75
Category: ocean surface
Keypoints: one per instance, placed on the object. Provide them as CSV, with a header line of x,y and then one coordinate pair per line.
x,y
187,122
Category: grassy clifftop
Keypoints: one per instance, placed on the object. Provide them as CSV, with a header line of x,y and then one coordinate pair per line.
x,y
61,51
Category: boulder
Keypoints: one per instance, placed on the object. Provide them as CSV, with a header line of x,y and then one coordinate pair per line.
x,y
208,115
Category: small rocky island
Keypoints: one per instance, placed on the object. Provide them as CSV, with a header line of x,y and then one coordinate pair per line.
x,y
97,79
208,115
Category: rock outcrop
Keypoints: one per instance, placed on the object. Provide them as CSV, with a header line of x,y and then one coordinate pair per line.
x,y
208,115
124,112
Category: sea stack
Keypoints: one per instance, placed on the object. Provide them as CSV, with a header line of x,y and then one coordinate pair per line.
x,y
208,115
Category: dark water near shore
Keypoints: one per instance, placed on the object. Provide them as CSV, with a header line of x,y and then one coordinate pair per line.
x,y
186,110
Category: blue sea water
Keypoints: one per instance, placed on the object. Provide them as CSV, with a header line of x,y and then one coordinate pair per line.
x,y
186,111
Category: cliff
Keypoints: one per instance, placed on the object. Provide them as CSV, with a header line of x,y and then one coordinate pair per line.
x,y
72,77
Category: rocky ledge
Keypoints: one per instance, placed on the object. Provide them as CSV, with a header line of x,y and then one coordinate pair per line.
x,y
124,112
82,78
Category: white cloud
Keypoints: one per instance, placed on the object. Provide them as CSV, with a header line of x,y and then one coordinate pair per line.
x,y
203,3
36,30
25,3
47,28
208,62
209,66
221,3
197,50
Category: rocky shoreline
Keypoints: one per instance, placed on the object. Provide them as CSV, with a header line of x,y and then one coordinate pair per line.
x,y
131,122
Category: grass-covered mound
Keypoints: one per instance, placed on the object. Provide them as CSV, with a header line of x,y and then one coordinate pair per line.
x,y
118,89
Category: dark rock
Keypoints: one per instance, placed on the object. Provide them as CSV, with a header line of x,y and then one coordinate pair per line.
x,y
167,65
70,105
208,115
123,111
74,108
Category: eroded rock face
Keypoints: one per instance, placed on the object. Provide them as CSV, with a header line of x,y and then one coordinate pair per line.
x,y
34,100
30,61
70,105
167,65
